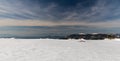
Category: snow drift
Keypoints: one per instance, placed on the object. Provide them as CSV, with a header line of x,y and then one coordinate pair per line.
x,y
59,50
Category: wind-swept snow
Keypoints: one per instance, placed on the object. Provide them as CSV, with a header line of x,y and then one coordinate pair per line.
x,y
59,50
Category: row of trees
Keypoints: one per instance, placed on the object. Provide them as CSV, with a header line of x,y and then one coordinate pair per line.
x,y
91,36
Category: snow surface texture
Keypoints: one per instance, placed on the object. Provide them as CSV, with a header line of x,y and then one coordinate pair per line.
x,y
59,50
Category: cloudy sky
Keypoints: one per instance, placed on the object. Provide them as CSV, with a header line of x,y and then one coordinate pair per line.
x,y
61,16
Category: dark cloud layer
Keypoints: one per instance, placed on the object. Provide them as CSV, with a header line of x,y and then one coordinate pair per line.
x,y
60,10
74,10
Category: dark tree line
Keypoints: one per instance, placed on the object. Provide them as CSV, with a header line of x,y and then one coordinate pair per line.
x,y
91,36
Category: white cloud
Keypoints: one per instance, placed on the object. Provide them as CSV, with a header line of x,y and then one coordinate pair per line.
x,y
11,22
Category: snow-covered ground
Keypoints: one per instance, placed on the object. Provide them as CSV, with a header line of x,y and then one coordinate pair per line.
x,y
59,50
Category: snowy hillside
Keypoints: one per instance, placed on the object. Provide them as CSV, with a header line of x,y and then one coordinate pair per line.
x,y
59,50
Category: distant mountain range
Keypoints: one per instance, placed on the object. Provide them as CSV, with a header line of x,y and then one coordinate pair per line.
x,y
92,36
